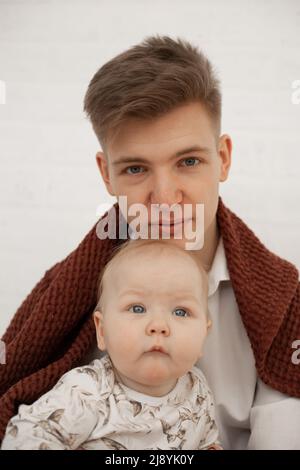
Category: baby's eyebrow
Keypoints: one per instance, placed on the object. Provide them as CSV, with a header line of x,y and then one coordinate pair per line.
x,y
134,292
183,296
179,294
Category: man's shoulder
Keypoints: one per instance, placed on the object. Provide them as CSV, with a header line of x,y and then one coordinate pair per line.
x,y
247,256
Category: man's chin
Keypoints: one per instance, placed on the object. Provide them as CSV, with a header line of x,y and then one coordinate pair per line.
x,y
181,243
170,234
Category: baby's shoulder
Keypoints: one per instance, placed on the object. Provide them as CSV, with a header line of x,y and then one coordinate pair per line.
x,y
199,380
92,377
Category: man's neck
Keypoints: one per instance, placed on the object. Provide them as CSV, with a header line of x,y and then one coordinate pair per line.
x,y
211,240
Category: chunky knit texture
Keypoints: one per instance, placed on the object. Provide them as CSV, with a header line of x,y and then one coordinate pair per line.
x,y
53,329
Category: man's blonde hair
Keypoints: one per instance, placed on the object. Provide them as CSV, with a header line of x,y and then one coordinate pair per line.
x,y
149,80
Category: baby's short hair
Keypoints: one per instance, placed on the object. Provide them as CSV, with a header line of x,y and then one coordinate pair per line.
x,y
131,245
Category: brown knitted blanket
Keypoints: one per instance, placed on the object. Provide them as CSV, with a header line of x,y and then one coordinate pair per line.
x,y
53,330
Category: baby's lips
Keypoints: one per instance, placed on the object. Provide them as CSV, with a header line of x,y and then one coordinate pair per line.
x,y
158,349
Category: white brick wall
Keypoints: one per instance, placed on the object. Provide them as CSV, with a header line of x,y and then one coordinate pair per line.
x,y
50,185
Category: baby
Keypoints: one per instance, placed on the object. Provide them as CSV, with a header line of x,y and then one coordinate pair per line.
x,y
145,392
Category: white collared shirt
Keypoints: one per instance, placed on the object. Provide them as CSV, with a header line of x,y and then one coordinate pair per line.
x,y
249,414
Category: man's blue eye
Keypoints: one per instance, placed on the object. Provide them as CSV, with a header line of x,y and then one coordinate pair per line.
x,y
134,172
137,309
182,312
191,159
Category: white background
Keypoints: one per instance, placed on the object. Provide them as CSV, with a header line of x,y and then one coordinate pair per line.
x,y
50,185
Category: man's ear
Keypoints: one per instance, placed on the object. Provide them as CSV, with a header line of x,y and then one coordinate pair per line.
x,y
224,151
98,320
208,324
102,163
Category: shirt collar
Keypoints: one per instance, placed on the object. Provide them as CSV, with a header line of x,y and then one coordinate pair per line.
x,y
218,271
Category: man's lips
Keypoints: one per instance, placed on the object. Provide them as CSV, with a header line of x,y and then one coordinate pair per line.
x,y
174,222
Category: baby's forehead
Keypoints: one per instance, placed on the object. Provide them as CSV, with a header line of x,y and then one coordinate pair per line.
x,y
149,258
173,267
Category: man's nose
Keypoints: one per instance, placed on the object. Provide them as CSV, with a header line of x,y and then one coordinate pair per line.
x,y
165,190
158,325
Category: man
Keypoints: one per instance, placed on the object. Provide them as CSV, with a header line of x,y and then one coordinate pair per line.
x,y
156,110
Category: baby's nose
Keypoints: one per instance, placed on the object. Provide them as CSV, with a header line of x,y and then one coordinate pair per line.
x,y
158,330
158,325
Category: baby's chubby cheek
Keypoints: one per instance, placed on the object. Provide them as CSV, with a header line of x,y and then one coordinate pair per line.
x,y
125,341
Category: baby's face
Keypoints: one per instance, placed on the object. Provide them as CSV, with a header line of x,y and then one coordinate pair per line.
x,y
152,301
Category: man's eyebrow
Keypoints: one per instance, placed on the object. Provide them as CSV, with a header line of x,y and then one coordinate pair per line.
x,y
138,159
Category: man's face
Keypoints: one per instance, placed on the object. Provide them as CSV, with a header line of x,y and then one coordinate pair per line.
x,y
142,162
143,307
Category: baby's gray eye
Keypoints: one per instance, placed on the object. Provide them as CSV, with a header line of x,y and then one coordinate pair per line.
x,y
182,312
137,309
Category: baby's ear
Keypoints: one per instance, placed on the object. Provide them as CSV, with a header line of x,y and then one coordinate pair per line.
x,y
98,320
208,320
